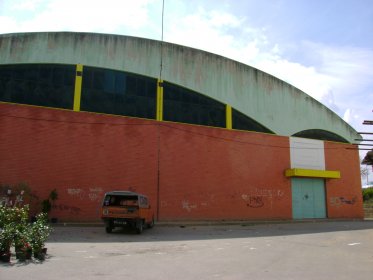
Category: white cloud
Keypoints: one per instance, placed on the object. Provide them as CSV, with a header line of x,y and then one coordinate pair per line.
x,y
347,115
217,32
218,19
350,80
234,39
30,5
8,25
340,77
82,15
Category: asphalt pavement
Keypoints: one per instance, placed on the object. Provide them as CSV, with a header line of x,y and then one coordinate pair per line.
x,y
313,250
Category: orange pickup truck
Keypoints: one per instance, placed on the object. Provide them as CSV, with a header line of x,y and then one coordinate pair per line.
x,y
125,208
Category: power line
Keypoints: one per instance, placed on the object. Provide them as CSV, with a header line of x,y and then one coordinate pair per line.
x,y
161,64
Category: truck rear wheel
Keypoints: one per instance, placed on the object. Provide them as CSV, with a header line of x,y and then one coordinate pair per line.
x,y
151,224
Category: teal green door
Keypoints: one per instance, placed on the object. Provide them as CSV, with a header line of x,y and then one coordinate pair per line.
x,y
308,198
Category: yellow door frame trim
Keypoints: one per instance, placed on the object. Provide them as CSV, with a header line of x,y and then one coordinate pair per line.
x,y
78,87
327,174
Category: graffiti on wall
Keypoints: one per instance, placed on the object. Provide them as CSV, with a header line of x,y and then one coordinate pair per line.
x,y
76,193
253,201
204,200
93,194
12,199
267,192
338,201
186,205
257,196
16,195
67,208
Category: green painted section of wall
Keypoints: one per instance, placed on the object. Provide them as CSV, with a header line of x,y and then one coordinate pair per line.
x,y
275,104
308,198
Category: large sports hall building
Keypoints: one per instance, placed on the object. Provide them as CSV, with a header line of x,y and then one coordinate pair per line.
x,y
205,137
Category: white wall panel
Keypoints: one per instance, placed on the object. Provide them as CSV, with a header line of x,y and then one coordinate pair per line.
x,y
307,153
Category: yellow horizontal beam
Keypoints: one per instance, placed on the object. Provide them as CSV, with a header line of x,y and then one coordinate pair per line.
x,y
327,174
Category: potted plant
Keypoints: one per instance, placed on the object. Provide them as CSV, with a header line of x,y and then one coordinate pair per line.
x,y
46,206
23,250
19,226
39,232
14,229
5,235
5,244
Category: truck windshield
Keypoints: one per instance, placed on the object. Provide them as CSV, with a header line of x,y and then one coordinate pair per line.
x,y
120,200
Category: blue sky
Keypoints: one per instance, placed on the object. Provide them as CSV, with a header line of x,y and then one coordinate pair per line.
x,y
323,47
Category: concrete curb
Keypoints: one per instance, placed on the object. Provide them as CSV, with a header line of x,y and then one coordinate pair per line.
x,y
215,223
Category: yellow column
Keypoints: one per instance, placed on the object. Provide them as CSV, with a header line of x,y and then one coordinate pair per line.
x,y
78,87
160,100
228,116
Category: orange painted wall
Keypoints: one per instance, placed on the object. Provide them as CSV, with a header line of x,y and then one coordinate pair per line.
x,y
344,197
194,172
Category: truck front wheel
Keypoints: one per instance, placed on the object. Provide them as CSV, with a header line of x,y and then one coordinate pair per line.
x,y
109,227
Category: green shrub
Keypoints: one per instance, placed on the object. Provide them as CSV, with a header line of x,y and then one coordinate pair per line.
x,y
39,232
14,226
15,230
368,194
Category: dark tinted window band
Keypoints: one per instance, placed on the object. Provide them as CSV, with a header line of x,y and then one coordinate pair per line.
x,y
319,134
114,92
50,85
243,122
118,93
183,105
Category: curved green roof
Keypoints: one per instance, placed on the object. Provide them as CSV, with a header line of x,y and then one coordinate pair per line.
x,y
277,105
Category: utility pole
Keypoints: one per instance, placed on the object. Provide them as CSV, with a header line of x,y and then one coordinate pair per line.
x,y
368,159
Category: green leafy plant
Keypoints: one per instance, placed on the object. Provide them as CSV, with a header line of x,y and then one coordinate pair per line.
x,y
23,249
46,206
39,233
5,244
368,194
3,215
53,195
6,239
48,203
15,230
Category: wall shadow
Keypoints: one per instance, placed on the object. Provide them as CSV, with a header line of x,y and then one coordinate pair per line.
x,y
97,234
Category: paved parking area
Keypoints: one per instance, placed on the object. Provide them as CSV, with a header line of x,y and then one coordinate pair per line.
x,y
314,250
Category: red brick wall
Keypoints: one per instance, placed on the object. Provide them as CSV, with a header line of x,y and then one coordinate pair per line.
x,y
344,198
82,155
203,173
220,174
